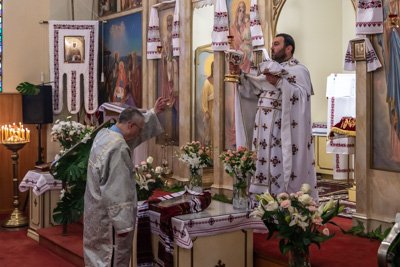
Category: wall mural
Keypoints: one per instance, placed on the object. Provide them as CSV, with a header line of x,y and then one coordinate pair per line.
x,y
204,112
109,7
386,94
123,61
239,28
168,82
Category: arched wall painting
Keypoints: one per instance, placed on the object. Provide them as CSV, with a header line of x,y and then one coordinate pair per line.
x,y
123,61
386,95
239,28
168,81
204,96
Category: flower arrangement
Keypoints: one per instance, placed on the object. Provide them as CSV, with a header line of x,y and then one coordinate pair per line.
x,y
70,166
197,157
239,164
298,220
68,133
148,179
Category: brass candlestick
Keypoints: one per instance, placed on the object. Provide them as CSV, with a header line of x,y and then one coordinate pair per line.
x,y
235,57
17,218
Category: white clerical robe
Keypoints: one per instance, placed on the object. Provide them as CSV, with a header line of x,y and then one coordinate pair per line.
x,y
279,129
110,196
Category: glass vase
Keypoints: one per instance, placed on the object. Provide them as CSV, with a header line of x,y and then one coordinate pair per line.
x,y
299,258
196,180
240,199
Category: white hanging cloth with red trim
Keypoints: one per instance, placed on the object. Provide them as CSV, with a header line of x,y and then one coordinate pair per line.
x,y
220,30
73,52
257,37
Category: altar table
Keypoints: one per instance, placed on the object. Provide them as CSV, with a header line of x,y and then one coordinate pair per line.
x,y
44,194
217,235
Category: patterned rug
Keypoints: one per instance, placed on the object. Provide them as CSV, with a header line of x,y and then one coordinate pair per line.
x,y
337,190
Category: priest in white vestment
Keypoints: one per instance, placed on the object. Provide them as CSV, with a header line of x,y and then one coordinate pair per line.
x,y
110,196
279,128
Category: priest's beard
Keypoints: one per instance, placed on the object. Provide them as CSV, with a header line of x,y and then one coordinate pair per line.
x,y
279,56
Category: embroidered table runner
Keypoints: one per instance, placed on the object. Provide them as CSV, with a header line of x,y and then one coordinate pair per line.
x,y
40,182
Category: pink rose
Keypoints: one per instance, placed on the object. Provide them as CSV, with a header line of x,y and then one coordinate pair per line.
x,y
317,220
201,151
243,158
233,161
143,163
226,159
286,203
312,208
148,175
300,193
325,231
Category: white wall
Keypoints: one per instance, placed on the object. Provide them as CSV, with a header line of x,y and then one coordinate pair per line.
x,y
320,33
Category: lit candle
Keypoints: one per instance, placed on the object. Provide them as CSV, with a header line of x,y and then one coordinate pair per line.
x,y
2,128
28,135
23,134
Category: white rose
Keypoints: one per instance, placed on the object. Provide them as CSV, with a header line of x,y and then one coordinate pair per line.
x,y
272,206
158,169
305,199
150,160
306,189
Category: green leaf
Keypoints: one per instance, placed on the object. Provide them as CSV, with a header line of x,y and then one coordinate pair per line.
x,y
282,246
27,88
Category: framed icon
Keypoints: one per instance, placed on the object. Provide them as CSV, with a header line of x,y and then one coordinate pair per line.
x,y
358,50
74,49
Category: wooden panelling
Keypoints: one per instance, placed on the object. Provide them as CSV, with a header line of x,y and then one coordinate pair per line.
x,y
11,111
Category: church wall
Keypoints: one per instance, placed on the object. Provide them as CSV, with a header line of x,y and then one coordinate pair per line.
x,y
319,38
25,56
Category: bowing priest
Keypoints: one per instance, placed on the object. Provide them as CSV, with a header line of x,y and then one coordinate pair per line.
x,y
279,128
110,196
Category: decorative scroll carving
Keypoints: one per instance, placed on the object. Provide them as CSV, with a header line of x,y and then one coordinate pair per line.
x,y
276,11
202,3
220,264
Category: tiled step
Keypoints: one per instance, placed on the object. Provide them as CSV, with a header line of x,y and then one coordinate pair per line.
x,y
69,247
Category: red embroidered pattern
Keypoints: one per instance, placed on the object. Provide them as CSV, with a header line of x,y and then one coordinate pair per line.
x,y
73,90
58,27
369,24
369,4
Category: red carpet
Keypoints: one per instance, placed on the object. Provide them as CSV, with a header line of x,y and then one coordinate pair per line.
x,y
16,249
342,250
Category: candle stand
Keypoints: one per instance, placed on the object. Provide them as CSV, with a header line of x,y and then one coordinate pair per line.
x,y
17,218
14,138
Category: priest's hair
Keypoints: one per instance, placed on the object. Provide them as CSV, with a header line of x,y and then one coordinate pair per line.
x,y
130,114
288,39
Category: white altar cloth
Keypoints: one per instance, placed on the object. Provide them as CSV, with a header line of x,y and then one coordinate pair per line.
x,y
40,182
218,218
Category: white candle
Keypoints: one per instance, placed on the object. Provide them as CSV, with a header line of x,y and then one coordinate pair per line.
x,y
41,77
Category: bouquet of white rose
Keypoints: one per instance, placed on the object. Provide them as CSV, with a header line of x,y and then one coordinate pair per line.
x,y
297,219
148,179
68,133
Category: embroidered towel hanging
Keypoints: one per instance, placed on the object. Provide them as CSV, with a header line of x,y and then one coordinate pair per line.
x,y
257,37
175,31
373,62
220,31
369,17
153,39
73,52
